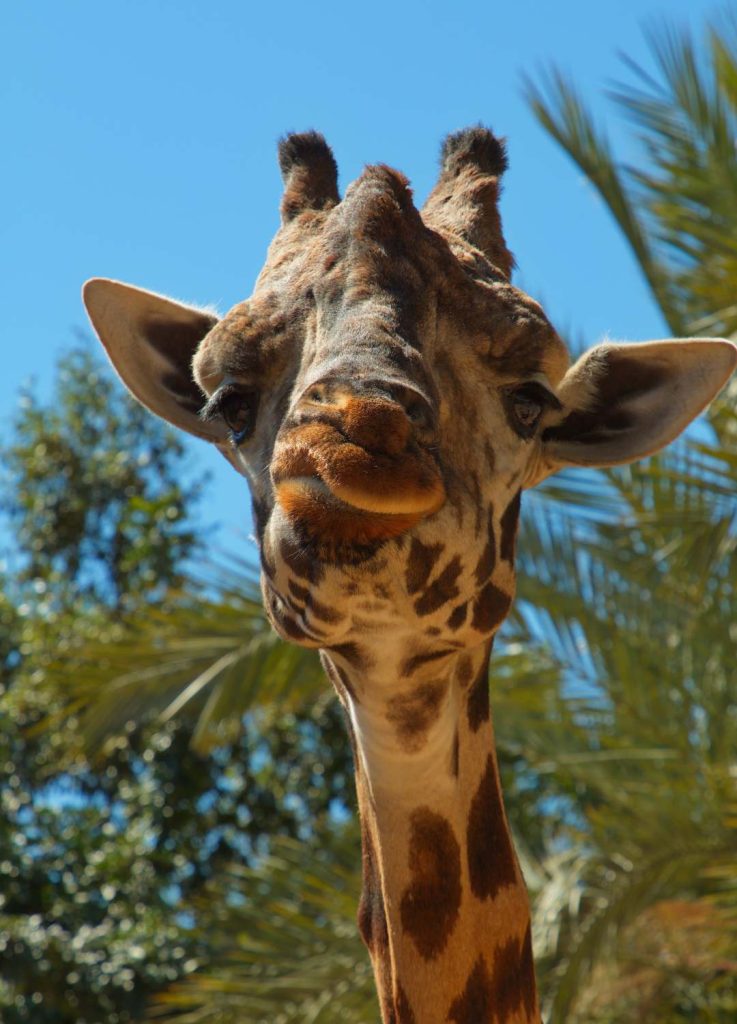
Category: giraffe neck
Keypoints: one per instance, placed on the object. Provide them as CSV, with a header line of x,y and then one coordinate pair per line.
x,y
444,910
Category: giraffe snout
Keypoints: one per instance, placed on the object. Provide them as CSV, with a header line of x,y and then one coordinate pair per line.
x,y
383,416
359,447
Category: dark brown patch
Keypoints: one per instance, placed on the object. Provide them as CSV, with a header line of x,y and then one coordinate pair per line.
x,y
442,591
261,512
464,670
474,1004
514,979
301,593
420,563
404,1012
489,456
372,922
353,654
491,862
477,707
304,565
490,608
283,623
371,912
410,665
267,566
458,617
454,756
323,612
509,521
318,610
430,906
413,713
487,561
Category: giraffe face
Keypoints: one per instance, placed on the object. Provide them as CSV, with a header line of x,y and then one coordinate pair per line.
x,y
388,394
385,394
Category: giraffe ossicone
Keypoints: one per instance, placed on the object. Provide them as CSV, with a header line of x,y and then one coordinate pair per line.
x,y
388,394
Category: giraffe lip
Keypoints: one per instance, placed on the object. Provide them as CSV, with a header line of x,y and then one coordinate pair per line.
x,y
359,500
407,482
311,504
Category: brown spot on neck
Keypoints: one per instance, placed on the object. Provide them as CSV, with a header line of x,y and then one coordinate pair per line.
x,y
458,616
410,665
475,1004
509,521
491,860
430,905
371,913
414,713
477,708
490,608
404,1012
513,981
420,563
487,561
442,591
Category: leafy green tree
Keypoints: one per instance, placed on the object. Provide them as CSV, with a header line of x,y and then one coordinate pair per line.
x,y
101,858
96,494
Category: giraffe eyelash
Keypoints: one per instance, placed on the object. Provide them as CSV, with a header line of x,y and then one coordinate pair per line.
x,y
236,407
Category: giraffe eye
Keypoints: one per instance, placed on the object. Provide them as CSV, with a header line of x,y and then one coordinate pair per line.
x,y
527,409
526,405
238,410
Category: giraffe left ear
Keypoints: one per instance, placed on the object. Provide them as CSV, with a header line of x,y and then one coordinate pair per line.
x,y
151,341
623,402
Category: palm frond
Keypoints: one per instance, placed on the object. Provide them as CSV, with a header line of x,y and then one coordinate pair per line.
x,y
285,943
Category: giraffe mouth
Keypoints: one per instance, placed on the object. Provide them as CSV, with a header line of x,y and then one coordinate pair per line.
x,y
309,504
339,490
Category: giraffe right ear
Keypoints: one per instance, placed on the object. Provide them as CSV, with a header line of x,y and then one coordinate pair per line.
x,y
622,402
151,341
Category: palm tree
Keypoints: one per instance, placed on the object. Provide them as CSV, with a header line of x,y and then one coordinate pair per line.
x,y
648,631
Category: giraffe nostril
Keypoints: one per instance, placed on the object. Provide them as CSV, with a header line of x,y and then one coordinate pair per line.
x,y
419,414
416,407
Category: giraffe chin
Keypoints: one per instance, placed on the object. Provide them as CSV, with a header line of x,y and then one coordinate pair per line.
x,y
314,508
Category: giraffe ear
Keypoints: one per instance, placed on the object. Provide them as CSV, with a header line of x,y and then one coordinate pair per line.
x,y
151,341
623,402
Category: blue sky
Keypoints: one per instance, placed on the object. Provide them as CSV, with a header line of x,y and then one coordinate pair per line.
x,y
140,145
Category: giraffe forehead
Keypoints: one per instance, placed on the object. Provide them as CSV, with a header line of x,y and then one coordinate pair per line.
x,y
370,276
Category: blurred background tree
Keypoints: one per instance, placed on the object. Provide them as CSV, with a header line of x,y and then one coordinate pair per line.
x,y
181,835
101,857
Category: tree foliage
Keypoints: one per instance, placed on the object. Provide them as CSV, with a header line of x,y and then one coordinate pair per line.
x,y
102,859
96,492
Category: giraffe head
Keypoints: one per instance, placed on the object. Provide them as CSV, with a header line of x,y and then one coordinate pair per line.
x,y
388,393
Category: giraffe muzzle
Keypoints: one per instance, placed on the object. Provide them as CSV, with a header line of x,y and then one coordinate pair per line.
x,y
358,459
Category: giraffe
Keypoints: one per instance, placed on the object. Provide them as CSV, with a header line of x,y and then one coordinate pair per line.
x,y
389,394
